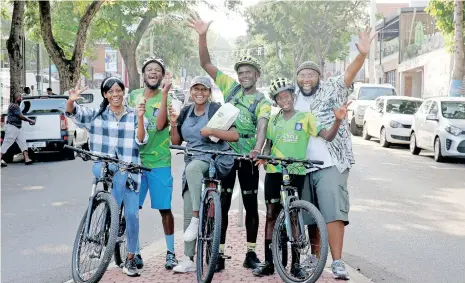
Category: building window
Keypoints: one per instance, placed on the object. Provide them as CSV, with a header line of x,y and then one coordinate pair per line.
x,y
390,77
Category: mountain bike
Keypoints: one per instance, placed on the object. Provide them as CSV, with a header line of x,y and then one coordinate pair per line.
x,y
99,240
290,229
209,215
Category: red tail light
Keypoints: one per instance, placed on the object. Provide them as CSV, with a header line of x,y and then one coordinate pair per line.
x,y
63,122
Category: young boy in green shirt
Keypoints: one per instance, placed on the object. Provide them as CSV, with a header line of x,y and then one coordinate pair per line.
x,y
287,136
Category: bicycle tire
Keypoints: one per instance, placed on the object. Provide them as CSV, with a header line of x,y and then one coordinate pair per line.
x,y
215,242
102,197
321,224
121,251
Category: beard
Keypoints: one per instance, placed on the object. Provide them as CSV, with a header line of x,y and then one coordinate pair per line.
x,y
152,87
311,92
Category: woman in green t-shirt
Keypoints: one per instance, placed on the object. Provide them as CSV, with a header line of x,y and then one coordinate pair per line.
x,y
287,136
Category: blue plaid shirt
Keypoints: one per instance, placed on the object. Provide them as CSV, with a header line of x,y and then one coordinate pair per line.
x,y
109,136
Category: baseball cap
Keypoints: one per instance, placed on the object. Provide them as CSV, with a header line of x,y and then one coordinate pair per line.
x,y
199,80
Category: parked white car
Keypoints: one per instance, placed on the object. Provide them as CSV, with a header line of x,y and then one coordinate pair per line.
x,y
390,119
364,95
439,126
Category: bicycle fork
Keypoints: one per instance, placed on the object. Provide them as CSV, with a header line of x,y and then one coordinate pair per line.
x,y
286,200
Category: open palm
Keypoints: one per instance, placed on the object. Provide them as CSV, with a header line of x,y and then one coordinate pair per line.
x,y
342,111
365,40
75,93
197,24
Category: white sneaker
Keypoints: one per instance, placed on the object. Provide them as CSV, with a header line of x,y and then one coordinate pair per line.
x,y
186,265
192,231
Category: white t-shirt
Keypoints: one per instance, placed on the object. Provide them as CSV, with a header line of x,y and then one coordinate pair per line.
x,y
316,148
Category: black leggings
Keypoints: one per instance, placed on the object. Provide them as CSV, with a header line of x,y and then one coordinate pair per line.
x,y
248,179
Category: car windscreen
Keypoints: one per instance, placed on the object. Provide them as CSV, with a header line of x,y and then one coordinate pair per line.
x,y
371,93
43,106
399,106
453,109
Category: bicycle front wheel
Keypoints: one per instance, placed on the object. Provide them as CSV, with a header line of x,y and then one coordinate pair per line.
x,y
121,251
208,240
305,267
92,254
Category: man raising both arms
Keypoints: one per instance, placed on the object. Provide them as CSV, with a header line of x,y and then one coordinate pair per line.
x,y
251,125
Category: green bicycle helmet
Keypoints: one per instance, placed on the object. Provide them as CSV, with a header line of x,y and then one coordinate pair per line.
x,y
154,60
248,60
279,85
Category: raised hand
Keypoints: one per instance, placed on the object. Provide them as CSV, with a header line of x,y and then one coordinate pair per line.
x,y
75,93
341,113
167,82
141,108
197,24
365,40
173,115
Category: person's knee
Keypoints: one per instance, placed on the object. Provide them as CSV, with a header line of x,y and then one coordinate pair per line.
x,y
165,213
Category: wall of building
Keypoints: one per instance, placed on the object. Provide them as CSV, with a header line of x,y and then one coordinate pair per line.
x,y
437,70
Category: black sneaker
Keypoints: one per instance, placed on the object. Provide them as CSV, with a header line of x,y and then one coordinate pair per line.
x,y
139,261
171,260
251,260
264,269
130,268
298,272
4,163
220,263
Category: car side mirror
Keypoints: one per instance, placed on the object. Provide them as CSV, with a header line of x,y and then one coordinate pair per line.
x,y
432,117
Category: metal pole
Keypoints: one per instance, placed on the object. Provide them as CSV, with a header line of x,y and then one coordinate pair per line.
x,y
50,72
39,85
371,64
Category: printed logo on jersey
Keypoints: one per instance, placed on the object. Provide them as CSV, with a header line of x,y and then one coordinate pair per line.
x,y
298,126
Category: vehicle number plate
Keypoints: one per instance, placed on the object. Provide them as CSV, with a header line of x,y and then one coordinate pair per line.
x,y
36,144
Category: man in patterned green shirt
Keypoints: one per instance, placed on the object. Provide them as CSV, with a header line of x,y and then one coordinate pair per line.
x,y
287,137
251,125
155,153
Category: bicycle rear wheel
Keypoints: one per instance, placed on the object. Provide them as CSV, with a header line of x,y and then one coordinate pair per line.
x,y
209,237
311,265
96,250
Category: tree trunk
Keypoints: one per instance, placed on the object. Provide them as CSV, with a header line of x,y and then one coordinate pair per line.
x,y
68,69
459,56
14,49
128,52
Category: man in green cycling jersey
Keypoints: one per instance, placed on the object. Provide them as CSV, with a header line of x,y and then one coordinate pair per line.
x,y
251,124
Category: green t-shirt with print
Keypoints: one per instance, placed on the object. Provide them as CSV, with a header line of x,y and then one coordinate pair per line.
x,y
245,121
156,152
290,139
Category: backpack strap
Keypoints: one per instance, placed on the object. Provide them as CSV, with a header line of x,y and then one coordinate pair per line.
x,y
233,93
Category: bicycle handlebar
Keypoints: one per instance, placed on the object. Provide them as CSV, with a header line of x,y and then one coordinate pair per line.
x,y
290,160
129,166
215,152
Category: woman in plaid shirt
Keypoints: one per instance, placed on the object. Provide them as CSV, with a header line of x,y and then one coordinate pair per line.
x,y
116,131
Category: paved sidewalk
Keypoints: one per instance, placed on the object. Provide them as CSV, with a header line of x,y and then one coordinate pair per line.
x,y
154,259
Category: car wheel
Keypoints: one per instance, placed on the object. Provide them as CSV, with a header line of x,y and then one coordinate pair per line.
x,y
365,134
414,149
382,138
354,129
437,150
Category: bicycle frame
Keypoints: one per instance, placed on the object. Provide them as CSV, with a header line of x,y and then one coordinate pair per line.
x,y
209,185
286,200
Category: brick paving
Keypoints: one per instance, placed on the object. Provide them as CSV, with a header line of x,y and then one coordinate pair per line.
x,y
155,272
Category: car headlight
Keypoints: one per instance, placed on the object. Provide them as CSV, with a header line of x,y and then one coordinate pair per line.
x,y
453,130
395,124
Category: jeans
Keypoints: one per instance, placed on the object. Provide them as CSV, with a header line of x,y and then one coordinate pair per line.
x,y
122,194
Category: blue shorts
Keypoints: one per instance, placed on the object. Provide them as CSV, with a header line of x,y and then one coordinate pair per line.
x,y
159,183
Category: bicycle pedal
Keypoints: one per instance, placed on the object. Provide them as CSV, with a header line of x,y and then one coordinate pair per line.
x,y
226,256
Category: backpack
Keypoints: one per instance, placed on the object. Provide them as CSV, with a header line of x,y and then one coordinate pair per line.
x,y
233,95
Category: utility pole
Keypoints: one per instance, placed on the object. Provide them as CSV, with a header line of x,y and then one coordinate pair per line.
x,y
38,77
371,60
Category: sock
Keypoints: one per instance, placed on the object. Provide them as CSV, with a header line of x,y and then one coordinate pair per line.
x,y
268,252
251,247
221,248
170,243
